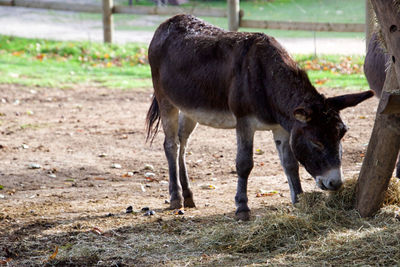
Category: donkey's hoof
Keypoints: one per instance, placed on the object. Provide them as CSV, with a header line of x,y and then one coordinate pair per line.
x,y
175,204
189,203
243,215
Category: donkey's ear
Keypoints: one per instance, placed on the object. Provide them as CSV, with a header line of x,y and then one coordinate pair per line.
x,y
302,114
350,100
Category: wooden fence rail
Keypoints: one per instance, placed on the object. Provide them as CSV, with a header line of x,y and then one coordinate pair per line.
x,y
91,8
157,10
303,26
117,9
233,13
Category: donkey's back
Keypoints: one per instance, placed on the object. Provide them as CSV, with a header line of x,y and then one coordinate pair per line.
x,y
211,74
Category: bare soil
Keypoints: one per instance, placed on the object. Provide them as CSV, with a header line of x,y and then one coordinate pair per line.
x,y
75,135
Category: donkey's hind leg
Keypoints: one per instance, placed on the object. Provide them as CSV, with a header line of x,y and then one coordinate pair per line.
x,y
169,118
186,127
244,165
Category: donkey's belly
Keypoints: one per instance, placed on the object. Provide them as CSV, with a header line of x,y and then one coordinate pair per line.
x,y
216,119
224,120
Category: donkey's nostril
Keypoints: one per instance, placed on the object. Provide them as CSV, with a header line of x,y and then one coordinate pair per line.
x,y
334,185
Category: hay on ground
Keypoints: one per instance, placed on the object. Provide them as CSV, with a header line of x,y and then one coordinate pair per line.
x,y
319,226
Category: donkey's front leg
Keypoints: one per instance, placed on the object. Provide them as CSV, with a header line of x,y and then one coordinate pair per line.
x,y
288,162
244,165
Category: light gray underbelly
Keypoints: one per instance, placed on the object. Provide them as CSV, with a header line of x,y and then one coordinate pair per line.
x,y
224,120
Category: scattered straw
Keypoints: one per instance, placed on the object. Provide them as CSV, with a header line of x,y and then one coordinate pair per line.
x,y
393,193
321,228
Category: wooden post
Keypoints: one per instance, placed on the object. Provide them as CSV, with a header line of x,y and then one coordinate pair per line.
x,y
387,13
233,15
384,144
380,159
369,22
108,23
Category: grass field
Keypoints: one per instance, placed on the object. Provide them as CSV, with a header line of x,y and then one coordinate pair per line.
x,y
34,62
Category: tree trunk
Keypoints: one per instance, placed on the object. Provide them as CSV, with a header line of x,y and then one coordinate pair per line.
x,y
380,159
387,13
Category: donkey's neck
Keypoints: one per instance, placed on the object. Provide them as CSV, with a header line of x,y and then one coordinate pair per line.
x,y
286,101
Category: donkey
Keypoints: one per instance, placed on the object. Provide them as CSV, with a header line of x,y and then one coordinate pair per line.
x,y
203,74
375,65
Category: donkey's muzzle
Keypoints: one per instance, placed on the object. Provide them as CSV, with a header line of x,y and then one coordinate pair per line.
x,y
330,180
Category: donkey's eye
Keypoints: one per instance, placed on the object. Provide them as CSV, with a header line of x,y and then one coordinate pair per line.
x,y
317,144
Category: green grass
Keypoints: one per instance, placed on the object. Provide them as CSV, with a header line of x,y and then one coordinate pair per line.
x,y
44,63
334,71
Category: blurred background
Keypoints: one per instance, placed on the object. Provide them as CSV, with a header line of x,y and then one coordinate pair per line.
x,y
315,32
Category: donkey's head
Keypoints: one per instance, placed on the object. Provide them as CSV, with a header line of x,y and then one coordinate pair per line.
x,y
316,134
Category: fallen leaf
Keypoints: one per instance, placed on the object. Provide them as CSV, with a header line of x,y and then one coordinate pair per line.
x,y
6,261
263,193
97,231
179,212
40,57
321,81
53,256
208,186
259,151
149,175
17,53
128,174
11,192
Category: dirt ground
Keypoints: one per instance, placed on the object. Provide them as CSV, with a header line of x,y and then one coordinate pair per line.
x,y
76,135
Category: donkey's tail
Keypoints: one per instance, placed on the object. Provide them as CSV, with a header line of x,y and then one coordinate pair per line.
x,y
153,116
